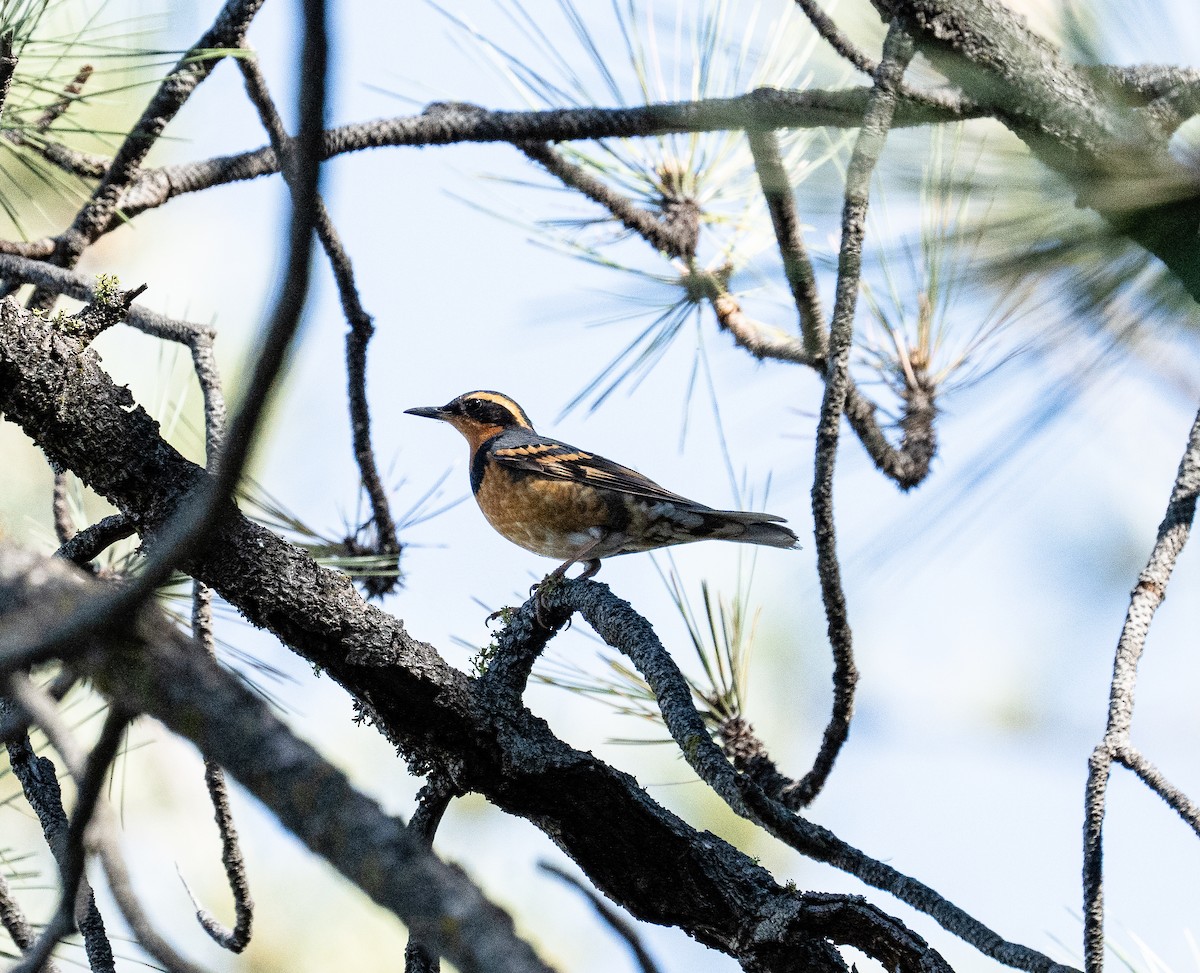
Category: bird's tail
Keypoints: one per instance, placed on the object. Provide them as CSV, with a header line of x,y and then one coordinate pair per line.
x,y
750,527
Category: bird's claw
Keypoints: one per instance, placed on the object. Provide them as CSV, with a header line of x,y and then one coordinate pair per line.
x,y
505,613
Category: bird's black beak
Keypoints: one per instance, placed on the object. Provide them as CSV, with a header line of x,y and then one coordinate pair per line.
x,y
428,411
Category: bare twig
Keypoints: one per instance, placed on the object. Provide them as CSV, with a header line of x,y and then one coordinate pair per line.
x,y
650,227
17,926
1147,595
8,66
104,840
835,38
1153,778
847,49
90,542
764,109
64,523
615,921
761,340
797,267
383,524
81,164
82,287
236,939
432,802
69,94
897,51
66,840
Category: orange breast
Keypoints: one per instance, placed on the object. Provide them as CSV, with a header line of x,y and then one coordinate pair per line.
x,y
548,517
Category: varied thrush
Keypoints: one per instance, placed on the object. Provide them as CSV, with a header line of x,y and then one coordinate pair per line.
x,y
562,502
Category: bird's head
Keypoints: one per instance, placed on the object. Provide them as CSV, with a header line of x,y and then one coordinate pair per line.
x,y
478,415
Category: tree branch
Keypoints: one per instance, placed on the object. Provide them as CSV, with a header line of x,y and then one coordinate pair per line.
x,y
797,267
879,935
1147,595
897,51
50,384
386,541
151,667
101,211
1114,157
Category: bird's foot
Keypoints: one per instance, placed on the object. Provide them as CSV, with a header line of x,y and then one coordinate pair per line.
x,y
551,581
505,614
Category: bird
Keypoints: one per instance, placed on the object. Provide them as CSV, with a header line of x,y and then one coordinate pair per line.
x,y
563,502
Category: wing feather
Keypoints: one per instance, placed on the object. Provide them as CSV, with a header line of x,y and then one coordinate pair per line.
x,y
561,461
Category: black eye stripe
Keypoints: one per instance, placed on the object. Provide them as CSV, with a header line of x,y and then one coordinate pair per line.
x,y
484,410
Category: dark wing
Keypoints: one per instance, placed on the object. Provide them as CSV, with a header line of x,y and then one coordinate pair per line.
x,y
525,450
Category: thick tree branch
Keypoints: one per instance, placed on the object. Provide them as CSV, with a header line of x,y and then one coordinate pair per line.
x,y
153,668
1114,157
53,386
620,626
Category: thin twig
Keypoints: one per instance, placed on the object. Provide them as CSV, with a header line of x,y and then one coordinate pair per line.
x,y
90,543
833,35
236,939
1152,777
763,109
797,266
64,101
897,52
60,505
432,802
386,540
101,212
18,268
615,921
108,850
8,67
1147,595
12,917
846,48
650,227
76,902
